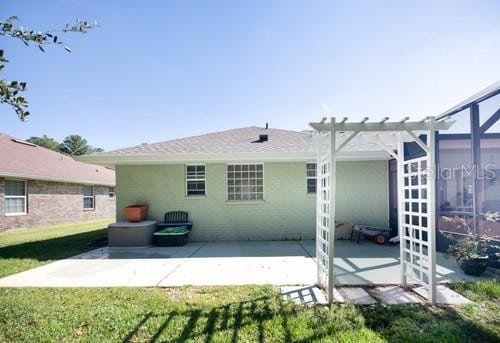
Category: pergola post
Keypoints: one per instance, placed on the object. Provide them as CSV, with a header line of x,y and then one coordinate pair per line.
x,y
331,227
401,206
431,180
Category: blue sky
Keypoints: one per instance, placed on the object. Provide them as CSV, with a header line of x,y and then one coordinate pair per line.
x,y
157,70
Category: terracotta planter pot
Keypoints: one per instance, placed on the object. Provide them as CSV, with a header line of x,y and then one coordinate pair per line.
x,y
136,213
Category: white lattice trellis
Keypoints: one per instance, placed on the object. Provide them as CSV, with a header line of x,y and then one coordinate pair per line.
x,y
325,210
417,218
323,218
415,221
416,189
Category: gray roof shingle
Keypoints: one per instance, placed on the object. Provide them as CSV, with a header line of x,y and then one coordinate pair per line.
x,y
242,140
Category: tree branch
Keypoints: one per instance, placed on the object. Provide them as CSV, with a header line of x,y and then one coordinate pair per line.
x,y
9,90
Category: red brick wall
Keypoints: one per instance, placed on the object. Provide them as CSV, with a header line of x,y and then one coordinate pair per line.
x,y
53,203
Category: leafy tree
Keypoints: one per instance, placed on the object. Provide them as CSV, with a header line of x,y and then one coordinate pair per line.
x,y
96,149
11,91
76,145
46,142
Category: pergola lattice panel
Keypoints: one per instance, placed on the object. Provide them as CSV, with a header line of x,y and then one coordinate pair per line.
x,y
415,221
416,190
323,217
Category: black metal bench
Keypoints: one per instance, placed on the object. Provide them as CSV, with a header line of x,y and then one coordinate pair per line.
x,y
175,218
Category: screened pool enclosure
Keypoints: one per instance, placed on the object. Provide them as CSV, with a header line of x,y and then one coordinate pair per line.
x,y
416,190
468,156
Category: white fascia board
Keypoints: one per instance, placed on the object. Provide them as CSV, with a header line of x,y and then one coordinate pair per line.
x,y
225,158
54,179
183,158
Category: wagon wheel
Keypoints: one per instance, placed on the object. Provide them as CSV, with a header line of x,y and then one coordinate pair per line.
x,y
380,239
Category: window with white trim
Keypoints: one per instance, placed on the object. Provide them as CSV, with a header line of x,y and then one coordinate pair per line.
x,y
88,197
311,177
245,182
111,192
195,179
15,197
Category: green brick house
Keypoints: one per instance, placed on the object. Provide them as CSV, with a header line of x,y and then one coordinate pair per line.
x,y
250,183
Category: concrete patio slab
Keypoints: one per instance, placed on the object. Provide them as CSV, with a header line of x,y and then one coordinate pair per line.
x,y
444,296
242,263
355,294
368,263
93,273
251,249
309,295
106,267
394,295
225,263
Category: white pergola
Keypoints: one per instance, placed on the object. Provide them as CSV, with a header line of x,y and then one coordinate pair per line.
x,y
416,190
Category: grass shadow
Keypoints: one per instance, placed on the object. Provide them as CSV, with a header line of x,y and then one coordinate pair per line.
x,y
425,323
204,324
405,323
164,325
210,327
139,325
56,248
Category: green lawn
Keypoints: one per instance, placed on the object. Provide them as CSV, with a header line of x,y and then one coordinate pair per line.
x,y
223,314
218,314
28,248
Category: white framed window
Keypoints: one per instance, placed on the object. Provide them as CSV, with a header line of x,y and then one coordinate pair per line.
x,y
111,192
88,198
245,182
15,197
311,177
195,179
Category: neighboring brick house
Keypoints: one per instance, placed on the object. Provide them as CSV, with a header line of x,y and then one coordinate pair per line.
x,y
40,187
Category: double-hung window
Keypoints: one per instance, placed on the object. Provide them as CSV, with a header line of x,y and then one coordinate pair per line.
x,y
195,179
88,197
111,192
245,182
15,197
311,177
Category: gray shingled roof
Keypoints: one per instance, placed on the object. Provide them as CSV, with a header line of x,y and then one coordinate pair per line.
x,y
242,140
